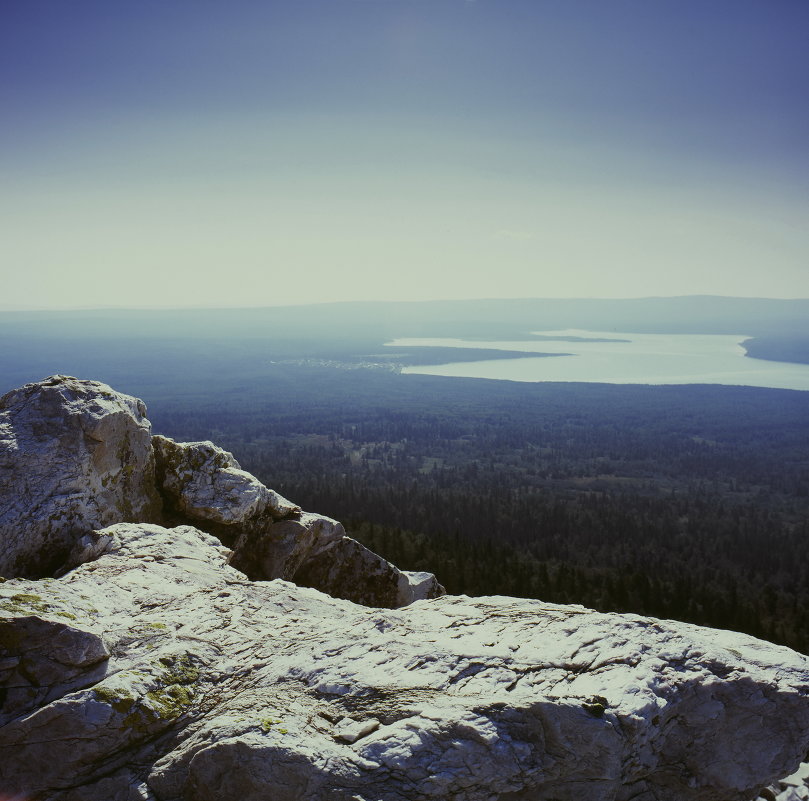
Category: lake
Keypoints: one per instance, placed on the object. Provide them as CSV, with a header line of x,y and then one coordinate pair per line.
x,y
621,358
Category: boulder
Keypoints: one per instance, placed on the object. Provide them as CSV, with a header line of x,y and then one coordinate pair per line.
x,y
74,456
347,569
204,485
210,686
314,551
418,585
44,656
202,482
77,456
270,550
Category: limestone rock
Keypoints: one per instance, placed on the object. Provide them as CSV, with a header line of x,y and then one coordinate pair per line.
x,y
205,483
154,670
352,730
418,585
346,569
42,655
270,549
121,787
77,456
215,687
74,456
314,551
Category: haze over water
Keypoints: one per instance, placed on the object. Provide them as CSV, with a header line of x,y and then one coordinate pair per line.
x,y
624,358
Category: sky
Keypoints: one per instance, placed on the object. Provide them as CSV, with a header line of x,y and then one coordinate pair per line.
x,y
171,153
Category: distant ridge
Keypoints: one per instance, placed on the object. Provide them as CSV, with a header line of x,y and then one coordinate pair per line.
x,y
703,314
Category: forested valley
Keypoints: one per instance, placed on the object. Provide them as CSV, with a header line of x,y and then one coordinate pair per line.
x,y
688,502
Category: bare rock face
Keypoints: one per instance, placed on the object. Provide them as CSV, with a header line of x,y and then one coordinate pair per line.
x,y
74,456
77,456
418,585
314,551
177,679
347,569
271,550
205,483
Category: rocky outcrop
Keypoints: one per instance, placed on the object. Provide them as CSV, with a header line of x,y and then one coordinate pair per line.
x,y
74,456
278,549
271,537
314,551
346,569
182,679
202,482
164,665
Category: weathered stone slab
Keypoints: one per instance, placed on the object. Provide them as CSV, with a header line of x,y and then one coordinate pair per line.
x,y
217,687
346,569
271,549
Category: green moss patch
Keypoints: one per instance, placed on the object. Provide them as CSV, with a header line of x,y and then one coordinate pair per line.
x,y
24,602
120,700
178,670
271,724
27,603
171,701
172,696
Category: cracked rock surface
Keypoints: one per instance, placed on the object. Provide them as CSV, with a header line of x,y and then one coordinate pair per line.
x,y
178,679
74,456
792,788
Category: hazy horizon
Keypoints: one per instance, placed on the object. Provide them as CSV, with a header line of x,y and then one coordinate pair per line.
x,y
196,155
292,303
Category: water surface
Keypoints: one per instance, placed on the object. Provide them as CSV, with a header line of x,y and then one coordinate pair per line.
x,y
621,358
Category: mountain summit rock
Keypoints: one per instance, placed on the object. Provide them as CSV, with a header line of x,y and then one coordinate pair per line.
x,y
174,659
76,456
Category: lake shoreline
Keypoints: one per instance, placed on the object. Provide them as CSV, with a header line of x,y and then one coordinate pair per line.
x,y
615,358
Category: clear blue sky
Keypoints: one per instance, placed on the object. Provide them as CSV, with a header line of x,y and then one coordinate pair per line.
x,y
190,152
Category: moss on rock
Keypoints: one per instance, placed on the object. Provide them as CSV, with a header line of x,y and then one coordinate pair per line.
x,y
24,602
120,700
